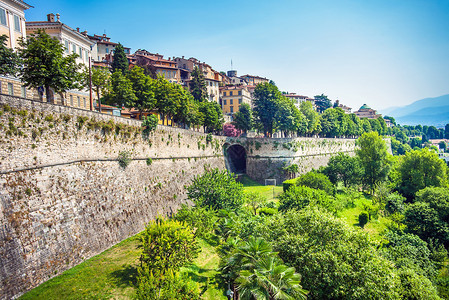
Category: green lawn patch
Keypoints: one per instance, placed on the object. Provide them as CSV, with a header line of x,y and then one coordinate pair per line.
x,y
203,271
112,275
351,215
268,191
109,275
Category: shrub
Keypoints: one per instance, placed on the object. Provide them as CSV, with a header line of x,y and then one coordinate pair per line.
x,y
395,203
316,180
267,211
230,130
299,197
201,219
149,124
169,287
217,189
363,218
288,184
149,161
167,245
49,118
124,159
208,138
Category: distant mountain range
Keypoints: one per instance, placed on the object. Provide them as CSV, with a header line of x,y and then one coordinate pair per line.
x,y
429,111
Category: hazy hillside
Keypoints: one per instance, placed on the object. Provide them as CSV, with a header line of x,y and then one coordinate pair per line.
x,y
429,111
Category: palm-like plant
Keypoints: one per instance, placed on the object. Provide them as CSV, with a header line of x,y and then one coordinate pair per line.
x,y
271,279
260,274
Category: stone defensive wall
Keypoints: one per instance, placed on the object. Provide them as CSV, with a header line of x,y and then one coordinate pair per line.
x,y
64,196
267,158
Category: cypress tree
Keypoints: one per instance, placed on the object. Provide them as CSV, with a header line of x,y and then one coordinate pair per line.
x,y
120,62
198,85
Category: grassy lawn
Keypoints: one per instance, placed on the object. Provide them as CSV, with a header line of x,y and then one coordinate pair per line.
x,y
351,216
112,274
269,192
203,271
108,275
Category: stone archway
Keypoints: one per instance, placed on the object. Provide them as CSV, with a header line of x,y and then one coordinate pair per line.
x,y
236,159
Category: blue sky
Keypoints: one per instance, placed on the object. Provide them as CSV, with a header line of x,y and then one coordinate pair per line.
x,y
383,53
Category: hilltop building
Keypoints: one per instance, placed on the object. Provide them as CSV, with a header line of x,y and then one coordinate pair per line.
x,y
74,42
213,78
156,63
234,79
367,112
254,80
103,50
233,96
345,108
298,99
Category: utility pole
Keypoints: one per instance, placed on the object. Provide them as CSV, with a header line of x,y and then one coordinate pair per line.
x,y
90,84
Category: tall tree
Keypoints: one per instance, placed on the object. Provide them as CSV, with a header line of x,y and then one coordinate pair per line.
x,y
322,103
312,117
446,131
121,91
100,82
213,116
198,85
266,104
9,60
333,122
243,119
45,65
143,89
373,157
419,169
119,60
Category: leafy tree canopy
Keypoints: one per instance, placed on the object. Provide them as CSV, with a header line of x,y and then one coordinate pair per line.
x,y
45,65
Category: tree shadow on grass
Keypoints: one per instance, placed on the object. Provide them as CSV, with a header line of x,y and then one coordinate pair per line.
x,y
125,277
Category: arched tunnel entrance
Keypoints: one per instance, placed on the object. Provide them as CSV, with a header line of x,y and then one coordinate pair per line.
x,y
236,159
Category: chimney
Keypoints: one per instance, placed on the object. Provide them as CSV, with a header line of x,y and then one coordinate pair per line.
x,y
57,17
183,57
77,29
104,34
50,17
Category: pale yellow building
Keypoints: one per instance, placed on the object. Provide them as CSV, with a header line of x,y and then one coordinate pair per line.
x,y
233,96
12,24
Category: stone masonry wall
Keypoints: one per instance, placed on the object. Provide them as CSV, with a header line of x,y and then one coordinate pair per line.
x,y
266,158
64,197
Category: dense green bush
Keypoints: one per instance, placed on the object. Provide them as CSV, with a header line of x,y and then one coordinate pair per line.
x,y
216,189
170,286
167,245
408,251
416,286
201,219
395,203
316,180
424,221
335,261
267,211
124,159
299,197
438,199
288,184
363,218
